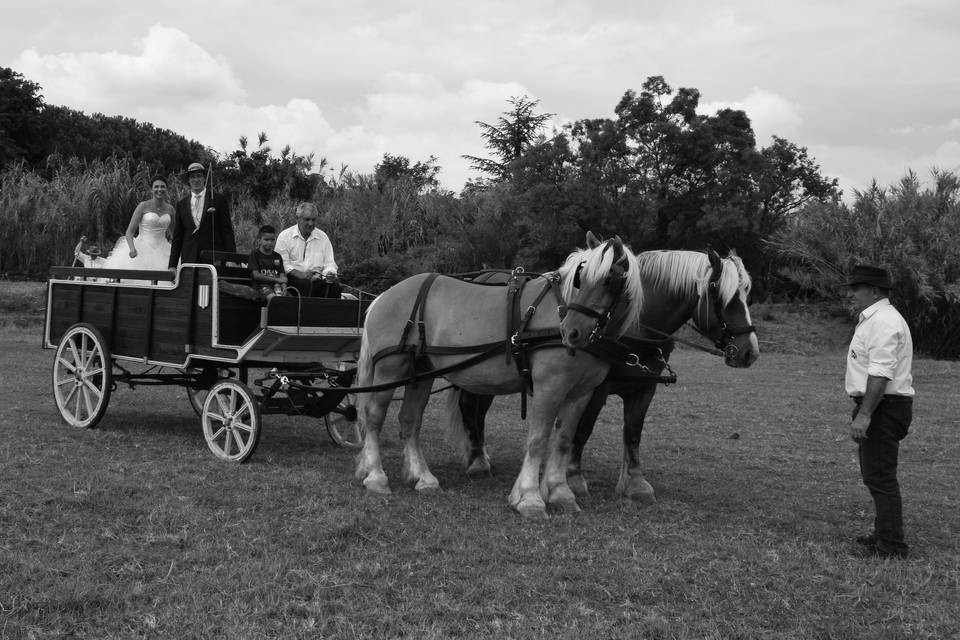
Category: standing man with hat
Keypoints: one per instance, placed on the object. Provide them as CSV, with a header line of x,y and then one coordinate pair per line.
x,y
202,221
880,382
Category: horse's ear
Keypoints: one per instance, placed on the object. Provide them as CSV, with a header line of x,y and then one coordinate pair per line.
x,y
732,254
714,258
592,242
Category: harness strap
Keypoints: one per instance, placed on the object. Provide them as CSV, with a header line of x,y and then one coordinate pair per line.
x,y
520,340
514,290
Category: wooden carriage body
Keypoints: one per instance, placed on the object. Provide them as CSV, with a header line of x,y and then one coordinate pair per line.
x,y
186,320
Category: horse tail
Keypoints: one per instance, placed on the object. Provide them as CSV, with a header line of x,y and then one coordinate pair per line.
x,y
364,364
457,434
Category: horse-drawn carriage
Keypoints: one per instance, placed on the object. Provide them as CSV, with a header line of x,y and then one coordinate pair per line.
x,y
160,328
187,331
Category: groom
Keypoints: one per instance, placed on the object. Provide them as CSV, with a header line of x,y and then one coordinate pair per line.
x,y
203,221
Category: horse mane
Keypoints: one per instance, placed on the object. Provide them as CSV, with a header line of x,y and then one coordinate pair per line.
x,y
596,266
686,273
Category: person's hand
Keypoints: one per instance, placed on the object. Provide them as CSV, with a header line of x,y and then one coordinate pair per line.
x,y
133,253
330,277
858,428
282,279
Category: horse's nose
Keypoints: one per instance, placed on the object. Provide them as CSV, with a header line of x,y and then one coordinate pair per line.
x,y
570,337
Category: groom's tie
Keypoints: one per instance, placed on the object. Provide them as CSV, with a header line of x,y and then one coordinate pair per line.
x,y
197,213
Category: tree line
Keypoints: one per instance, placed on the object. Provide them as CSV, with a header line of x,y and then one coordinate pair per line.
x,y
658,173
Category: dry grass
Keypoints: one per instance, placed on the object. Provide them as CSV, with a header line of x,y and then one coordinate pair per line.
x,y
134,530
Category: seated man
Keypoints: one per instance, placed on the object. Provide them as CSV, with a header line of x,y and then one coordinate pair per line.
x,y
308,256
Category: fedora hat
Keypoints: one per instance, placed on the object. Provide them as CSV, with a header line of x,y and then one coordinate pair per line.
x,y
194,167
866,274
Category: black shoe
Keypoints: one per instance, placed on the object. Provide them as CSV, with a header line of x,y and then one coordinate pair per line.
x,y
868,540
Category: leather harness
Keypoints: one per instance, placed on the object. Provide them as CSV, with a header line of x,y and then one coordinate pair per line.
x,y
520,340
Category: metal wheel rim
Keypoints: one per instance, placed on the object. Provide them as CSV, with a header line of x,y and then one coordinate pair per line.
x,y
231,421
82,377
344,432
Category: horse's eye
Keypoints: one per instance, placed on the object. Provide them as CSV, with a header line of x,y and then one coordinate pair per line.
x,y
576,276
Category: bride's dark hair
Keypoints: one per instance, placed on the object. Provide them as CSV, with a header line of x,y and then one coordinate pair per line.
x,y
161,179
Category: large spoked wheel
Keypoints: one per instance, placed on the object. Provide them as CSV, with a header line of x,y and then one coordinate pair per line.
x,y
198,395
231,421
82,376
342,423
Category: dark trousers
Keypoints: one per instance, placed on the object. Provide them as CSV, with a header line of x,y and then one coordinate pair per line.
x,y
878,467
310,288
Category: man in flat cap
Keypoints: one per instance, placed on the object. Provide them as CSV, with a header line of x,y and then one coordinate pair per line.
x,y
880,382
202,222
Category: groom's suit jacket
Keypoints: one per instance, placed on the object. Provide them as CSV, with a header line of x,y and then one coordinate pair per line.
x,y
215,230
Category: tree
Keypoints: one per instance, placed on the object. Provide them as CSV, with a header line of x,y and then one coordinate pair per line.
x,y
422,175
264,176
20,107
515,131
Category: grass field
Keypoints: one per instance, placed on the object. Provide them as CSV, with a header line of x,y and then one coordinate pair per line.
x,y
134,530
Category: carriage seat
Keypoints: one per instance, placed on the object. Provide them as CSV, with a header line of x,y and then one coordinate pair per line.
x,y
230,266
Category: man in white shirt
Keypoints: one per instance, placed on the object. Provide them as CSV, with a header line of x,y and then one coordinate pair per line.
x,y
308,255
879,380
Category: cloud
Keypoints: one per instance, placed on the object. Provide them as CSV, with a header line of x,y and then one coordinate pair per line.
x,y
770,114
168,68
174,83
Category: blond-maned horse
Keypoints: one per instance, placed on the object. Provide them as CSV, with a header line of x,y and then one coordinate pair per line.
x,y
678,286
430,325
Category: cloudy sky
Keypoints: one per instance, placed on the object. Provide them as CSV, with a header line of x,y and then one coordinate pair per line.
x,y
870,87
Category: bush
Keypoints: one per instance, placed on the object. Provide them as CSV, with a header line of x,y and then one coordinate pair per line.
x,y
910,230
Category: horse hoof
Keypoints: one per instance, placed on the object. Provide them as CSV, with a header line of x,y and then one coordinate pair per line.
x,y
479,467
639,491
377,484
531,508
578,485
427,484
563,500
643,498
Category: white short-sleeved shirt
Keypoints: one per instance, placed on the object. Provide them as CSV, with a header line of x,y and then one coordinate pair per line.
x,y
306,254
881,346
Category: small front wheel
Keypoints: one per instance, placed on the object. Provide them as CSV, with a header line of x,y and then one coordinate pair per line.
x,y
231,421
82,376
342,423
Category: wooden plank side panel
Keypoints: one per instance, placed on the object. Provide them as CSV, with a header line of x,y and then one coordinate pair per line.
x,y
132,322
64,309
170,316
316,312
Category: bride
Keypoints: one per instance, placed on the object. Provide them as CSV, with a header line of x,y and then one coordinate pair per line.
x,y
151,249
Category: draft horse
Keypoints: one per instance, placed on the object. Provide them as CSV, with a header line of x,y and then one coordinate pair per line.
x,y
488,343
678,286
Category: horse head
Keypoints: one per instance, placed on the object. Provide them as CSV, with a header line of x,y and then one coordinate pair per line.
x,y
722,313
598,283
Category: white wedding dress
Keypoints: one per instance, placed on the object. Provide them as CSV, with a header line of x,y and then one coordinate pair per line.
x,y
153,248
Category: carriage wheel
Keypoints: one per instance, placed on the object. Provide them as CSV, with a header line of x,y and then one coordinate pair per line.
x,y
82,376
342,423
198,396
231,421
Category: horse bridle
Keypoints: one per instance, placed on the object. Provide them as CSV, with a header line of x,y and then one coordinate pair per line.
x,y
614,283
728,334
